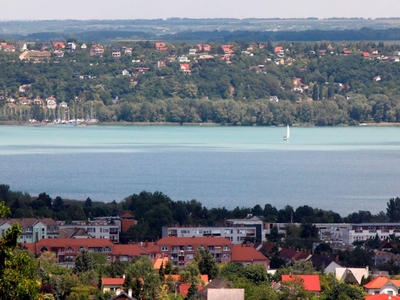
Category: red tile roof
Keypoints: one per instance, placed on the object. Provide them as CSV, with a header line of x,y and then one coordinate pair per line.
x,y
311,282
127,216
130,250
113,281
184,288
243,253
377,283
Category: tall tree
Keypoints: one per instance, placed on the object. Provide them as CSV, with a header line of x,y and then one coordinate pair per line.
x,y
84,262
206,263
17,269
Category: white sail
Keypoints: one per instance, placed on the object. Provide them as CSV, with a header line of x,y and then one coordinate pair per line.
x,y
287,133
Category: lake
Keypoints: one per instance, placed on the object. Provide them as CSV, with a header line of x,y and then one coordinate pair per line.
x,y
345,169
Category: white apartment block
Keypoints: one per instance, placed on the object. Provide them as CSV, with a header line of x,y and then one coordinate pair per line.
x,y
364,231
235,234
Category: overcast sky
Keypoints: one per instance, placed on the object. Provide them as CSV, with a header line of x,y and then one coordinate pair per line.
x,y
151,9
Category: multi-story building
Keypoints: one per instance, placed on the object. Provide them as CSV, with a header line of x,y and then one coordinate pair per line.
x,y
182,250
96,229
236,235
96,50
365,231
33,229
250,222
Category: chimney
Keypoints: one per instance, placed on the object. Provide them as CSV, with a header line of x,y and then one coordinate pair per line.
x,y
118,291
130,292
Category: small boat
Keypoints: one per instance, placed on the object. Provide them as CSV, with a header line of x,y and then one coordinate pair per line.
x,y
286,137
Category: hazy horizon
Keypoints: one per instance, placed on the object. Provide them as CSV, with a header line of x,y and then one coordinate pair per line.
x,y
23,10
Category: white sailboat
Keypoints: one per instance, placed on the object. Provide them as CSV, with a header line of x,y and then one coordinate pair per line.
x,y
286,137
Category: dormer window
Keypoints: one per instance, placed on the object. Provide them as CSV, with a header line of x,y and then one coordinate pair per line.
x,y
164,248
226,248
81,248
69,250
43,249
189,248
107,249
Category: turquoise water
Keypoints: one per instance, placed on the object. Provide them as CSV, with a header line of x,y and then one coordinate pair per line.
x,y
340,168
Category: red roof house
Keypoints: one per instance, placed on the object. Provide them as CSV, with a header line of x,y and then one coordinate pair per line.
x,y
382,285
184,288
247,255
311,282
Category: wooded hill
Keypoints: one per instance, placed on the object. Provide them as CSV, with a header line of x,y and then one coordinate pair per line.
x,y
251,84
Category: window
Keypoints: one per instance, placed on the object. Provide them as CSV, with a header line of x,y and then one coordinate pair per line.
x,y
107,249
81,248
185,231
189,256
189,248
226,248
43,249
226,255
69,249
164,248
105,230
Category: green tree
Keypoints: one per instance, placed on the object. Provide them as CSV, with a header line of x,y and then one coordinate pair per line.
x,y
84,262
393,210
17,269
206,263
343,291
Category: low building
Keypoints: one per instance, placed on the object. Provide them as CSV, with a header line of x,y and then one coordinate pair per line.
x,y
382,285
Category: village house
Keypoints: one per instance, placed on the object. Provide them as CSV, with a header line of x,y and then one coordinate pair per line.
x,y
125,73
96,50
116,51
185,68
382,285
51,102
59,45
38,101
8,48
279,51
71,46
376,78
161,46
161,64
25,101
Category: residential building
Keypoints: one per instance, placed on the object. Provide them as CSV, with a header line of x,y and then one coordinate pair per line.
x,y
33,229
71,46
251,221
116,52
382,297
249,256
382,285
311,283
127,221
96,229
234,234
364,231
51,102
38,101
66,250
161,64
161,46
121,295
59,45
96,50
352,275
185,68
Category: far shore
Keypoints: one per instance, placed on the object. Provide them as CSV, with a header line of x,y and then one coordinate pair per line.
x,y
5,123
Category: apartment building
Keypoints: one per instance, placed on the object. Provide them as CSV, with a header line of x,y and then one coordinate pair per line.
x,y
364,231
236,235
100,229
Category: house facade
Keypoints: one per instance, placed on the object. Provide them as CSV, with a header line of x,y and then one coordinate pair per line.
x,y
33,229
97,229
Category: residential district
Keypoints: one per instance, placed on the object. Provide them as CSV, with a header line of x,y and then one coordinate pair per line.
x,y
242,241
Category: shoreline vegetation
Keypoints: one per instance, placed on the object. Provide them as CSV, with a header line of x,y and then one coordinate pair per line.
x,y
206,124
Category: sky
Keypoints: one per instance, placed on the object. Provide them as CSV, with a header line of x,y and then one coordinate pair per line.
x,y
152,9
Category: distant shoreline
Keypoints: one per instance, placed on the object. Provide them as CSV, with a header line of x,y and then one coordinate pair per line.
x,y
206,124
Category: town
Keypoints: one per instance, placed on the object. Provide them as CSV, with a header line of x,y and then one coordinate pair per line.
x,y
233,259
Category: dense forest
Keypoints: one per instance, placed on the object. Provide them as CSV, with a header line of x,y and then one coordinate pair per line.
x,y
317,84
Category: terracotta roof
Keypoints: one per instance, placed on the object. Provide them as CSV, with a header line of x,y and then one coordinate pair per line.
x,y
382,297
174,277
113,281
184,288
311,282
377,283
159,261
204,278
127,216
245,253
133,250
30,221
